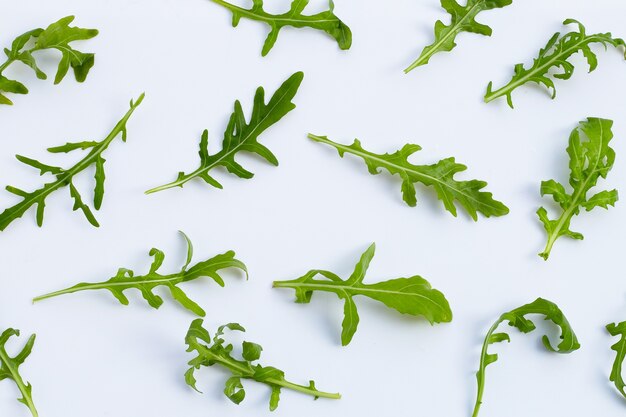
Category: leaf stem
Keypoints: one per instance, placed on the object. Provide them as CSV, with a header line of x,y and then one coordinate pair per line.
x,y
480,375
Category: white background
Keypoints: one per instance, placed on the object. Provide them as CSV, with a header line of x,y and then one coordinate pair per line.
x,y
95,357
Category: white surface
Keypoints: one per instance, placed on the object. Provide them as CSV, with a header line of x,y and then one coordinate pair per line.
x,y
95,357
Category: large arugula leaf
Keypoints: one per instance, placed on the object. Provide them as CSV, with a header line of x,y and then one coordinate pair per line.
x,y
57,36
440,176
242,136
9,367
215,351
590,158
517,318
126,279
462,19
620,353
325,21
413,296
553,56
64,177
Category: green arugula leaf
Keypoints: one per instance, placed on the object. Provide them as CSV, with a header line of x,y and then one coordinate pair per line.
x,y
555,55
216,352
125,279
620,354
9,367
413,296
462,19
590,158
440,176
57,36
64,177
242,136
517,318
325,21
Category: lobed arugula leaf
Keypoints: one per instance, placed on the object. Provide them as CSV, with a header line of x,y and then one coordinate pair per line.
x,y
462,19
64,177
126,279
215,351
9,367
413,296
517,318
590,158
440,176
57,36
242,136
553,56
620,354
325,21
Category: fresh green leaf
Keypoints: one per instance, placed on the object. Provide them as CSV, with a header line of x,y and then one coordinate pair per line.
x,y
325,21
126,279
9,367
620,353
57,36
553,56
462,19
64,177
517,318
242,136
440,176
413,296
215,351
590,158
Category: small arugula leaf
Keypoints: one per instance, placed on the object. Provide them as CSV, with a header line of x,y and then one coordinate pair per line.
x,y
57,36
413,296
242,136
64,177
9,367
517,318
462,19
590,158
126,279
620,353
325,21
440,176
555,55
215,351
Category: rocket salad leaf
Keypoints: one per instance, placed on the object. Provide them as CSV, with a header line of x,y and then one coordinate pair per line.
x,y
620,353
9,367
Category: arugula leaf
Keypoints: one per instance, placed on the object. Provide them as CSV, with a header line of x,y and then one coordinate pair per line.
x,y
325,21
125,279
413,296
620,354
517,318
462,19
590,158
555,55
57,36
9,367
440,176
216,352
242,136
64,177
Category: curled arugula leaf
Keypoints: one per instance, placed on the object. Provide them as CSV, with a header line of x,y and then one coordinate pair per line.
x,y
325,21
57,36
413,296
553,56
517,318
242,136
126,279
590,158
440,176
462,19
620,354
216,352
9,367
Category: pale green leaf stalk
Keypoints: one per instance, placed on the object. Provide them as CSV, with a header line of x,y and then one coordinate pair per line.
x,y
517,318
591,158
620,353
413,296
215,351
126,279
9,367
57,36
325,21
